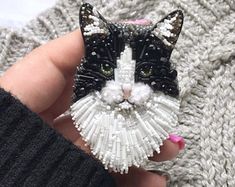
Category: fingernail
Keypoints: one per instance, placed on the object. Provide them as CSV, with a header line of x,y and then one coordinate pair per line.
x,y
177,139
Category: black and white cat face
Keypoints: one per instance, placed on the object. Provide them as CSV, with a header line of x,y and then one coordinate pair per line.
x,y
126,61
127,84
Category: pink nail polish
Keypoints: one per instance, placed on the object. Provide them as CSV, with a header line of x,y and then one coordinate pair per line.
x,y
177,139
138,22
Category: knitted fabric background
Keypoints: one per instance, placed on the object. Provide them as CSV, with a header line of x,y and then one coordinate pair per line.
x,y
205,60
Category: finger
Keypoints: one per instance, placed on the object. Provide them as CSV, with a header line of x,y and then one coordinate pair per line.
x,y
65,126
168,151
39,78
138,177
60,105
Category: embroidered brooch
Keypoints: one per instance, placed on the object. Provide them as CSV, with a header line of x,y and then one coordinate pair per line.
x,y
126,90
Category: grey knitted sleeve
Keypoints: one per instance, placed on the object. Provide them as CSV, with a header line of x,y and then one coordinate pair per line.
x,y
205,60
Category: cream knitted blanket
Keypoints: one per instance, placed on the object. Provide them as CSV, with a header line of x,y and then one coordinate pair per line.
x,y
205,60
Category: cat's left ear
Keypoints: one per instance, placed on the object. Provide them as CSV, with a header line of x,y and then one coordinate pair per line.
x,y
91,22
168,29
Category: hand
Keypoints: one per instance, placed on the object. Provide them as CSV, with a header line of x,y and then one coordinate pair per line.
x,y
43,81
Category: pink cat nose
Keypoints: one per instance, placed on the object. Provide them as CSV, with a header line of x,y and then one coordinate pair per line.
x,y
126,88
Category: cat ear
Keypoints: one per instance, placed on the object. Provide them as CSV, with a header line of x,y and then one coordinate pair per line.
x,y
168,29
91,22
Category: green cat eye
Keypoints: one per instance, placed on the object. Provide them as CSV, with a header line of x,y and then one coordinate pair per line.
x,y
106,69
146,71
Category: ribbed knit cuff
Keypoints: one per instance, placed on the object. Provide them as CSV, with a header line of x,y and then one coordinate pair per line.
x,y
33,154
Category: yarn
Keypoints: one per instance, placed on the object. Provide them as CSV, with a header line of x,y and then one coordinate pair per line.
x,y
204,58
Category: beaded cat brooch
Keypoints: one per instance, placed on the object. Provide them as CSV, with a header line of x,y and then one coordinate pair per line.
x,y
126,90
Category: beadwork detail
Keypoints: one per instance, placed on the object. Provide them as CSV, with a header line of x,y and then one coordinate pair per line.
x,y
126,90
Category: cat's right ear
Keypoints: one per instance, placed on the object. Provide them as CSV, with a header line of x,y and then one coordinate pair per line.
x,y
168,29
91,22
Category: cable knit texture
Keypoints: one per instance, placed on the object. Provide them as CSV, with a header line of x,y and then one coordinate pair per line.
x,y
205,60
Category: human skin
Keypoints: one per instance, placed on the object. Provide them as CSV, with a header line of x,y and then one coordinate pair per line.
x,y
43,81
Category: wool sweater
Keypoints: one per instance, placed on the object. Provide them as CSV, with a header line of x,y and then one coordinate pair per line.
x,y
204,58
33,154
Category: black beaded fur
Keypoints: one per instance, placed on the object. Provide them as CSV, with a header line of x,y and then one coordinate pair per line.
x,y
149,51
